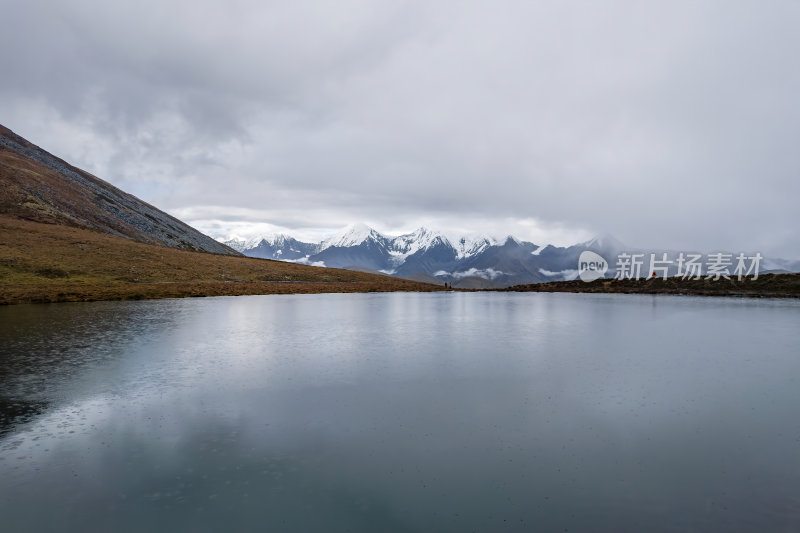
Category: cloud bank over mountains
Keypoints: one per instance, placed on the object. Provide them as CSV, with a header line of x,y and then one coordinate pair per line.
x,y
671,124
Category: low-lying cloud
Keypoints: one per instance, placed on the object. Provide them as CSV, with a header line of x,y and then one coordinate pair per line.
x,y
668,125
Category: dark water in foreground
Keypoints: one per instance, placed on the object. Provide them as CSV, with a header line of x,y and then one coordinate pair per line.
x,y
401,412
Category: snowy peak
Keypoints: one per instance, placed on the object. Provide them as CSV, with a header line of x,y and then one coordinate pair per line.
x,y
421,239
277,239
419,242
352,235
604,241
240,245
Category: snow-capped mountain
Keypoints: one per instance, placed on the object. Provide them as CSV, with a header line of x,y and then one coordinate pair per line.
x,y
275,246
604,242
469,246
418,240
480,261
423,251
352,235
240,245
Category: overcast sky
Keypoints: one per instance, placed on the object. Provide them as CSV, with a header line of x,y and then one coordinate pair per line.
x,y
667,124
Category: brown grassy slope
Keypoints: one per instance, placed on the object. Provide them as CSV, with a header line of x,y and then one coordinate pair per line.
x,y
767,285
56,263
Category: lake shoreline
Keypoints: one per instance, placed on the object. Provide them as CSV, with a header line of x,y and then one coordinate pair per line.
x,y
765,286
31,294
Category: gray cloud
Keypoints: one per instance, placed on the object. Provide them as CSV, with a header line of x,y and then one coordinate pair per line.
x,y
671,124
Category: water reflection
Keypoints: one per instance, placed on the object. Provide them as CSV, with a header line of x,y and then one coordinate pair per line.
x,y
46,348
404,412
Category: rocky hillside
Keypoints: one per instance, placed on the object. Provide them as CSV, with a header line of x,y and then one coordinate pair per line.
x,y
37,186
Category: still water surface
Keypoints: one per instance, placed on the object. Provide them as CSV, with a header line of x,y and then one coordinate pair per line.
x,y
401,412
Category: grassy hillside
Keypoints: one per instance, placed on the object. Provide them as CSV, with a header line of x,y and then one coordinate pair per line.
x,y
57,263
767,285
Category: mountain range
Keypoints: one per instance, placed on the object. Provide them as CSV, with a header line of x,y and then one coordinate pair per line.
x,y
477,262
465,262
